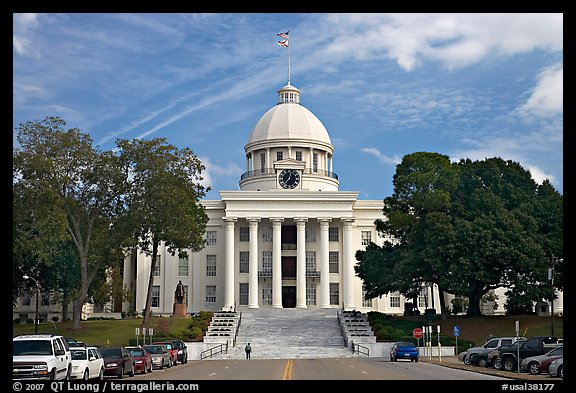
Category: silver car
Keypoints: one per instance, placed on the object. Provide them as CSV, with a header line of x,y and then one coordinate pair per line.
x,y
530,364
556,368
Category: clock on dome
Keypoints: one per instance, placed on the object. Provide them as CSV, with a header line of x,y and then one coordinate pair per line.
x,y
289,178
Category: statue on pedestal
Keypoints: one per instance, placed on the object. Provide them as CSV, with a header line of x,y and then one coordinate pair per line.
x,y
179,293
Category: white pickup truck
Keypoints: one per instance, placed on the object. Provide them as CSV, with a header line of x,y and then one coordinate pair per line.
x,y
40,357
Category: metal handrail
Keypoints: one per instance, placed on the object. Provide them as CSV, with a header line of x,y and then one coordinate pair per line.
x,y
356,349
272,171
218,349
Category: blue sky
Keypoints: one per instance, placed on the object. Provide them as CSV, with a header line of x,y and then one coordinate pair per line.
x,y
384,85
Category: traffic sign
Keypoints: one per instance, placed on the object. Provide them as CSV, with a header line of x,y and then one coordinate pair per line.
x,y
417,333
456,331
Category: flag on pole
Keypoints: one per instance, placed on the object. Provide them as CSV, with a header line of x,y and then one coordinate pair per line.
x,y
283,43
283,35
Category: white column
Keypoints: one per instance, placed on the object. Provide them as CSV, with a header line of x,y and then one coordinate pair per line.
x,y
324,264
229,264
301,262
289,151
348,263
311,158
267,164
253,264
247,162
276,262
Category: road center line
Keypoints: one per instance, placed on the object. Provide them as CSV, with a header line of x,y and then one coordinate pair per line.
x,y
288,370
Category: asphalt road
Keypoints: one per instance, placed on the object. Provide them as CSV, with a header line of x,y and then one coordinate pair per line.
x,y
311,369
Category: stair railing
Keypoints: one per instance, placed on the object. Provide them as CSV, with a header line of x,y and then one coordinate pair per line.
x,y
361,349
218,349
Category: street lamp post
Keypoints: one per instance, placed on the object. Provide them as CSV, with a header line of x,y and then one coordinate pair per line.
x,y
551,278
36,321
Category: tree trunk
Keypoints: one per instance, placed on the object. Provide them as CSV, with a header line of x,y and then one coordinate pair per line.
x,y
474,304
150,284
442,304
65,301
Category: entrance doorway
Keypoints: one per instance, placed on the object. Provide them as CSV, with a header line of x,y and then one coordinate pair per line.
x,y
288,296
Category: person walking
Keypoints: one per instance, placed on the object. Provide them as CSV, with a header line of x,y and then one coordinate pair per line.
x,y
248,349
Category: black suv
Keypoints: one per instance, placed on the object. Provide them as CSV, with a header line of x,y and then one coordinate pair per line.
x,y
182,350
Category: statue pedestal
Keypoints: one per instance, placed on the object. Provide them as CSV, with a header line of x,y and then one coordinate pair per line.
x,y
179,310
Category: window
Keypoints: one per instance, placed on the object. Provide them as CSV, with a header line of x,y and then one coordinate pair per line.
x,y
211,238
310,261
310,234
244,234
244,261
183,267
45,299
267,234
365,302
333,234
366,237
315,162
157,267
186,292
267,261
262,162
334,294
267,294
26,299
243,294
310,294
395,299
279,156
333,261
211,265
210,294
423,298
298,156
155,296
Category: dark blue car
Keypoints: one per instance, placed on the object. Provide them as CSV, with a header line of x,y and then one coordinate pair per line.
x,y
404,350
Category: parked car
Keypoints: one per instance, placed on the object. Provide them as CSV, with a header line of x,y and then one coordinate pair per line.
x,y
117,361
182,350
511,357
173,351
160,355
74,343
40,357
404,350
493,356
556,368
87,363
479,355
530,364
142,359
544,366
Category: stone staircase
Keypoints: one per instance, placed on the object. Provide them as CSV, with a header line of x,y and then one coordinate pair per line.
x,y
289,333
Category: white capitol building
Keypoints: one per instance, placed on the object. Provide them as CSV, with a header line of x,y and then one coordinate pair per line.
x,y
286,239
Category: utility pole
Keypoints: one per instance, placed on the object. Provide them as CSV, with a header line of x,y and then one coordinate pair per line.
x,y
36,321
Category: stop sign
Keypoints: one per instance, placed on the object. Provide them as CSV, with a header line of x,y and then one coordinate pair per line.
x,y
417,333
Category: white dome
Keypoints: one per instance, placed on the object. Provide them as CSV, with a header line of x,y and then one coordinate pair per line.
x,y
289,121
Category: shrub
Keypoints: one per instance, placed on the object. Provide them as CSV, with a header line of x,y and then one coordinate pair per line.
x,y
55,319
16,321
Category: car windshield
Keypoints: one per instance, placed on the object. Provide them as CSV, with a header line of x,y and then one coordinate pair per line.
x,y
405,345
79,355
558,351
157,349
111,352
177,344
31,347
137,352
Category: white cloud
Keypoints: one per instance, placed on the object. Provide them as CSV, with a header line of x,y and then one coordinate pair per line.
x,y
382,157
21,38
547,98
213,169
539,175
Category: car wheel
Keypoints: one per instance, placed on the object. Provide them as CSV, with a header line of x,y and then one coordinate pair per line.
x,y
498,364
121,373
560,372
68,372
416,360
86,375
482,362
131,373
162,365
509,364
52,375
101,375
466,360
533,368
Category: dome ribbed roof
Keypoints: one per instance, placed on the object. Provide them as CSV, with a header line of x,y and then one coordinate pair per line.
x,y
289,120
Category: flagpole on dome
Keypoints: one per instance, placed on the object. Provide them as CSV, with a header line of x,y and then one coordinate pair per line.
x,y
286,44
288,57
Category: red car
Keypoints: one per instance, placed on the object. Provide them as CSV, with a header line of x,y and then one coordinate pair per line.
x,y
142,359
545,364
172,349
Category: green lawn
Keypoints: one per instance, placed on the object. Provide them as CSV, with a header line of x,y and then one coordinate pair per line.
x,y
109,332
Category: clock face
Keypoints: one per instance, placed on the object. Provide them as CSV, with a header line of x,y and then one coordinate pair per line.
x,y
289,178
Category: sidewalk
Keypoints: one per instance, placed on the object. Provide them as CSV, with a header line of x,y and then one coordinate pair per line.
x,y
453,362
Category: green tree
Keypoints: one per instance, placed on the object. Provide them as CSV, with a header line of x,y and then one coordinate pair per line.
x,y
73,185
165,189
467,227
